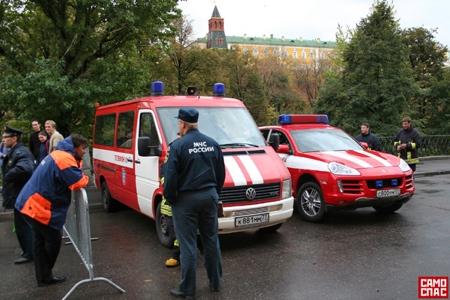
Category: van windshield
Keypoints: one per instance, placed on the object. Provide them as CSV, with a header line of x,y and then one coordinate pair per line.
x,y
231,127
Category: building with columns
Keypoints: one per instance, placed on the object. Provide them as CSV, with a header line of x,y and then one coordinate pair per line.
x,y
309,51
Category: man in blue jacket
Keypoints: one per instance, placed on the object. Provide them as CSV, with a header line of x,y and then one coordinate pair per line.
x,y
17,168
45,199
194,175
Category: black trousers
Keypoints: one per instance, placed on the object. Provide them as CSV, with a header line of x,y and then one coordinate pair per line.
x,y
47,244
24,232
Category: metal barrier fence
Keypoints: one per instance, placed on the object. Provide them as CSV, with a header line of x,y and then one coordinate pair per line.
x,y
78,229
432,145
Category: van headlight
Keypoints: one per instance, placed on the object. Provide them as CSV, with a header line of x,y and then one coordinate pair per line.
x,y
403,166
339,169
287,189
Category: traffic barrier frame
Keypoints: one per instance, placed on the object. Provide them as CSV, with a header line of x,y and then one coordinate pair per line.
x,y
78,229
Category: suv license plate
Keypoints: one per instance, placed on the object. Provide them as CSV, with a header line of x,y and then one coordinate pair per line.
x,y
388,193
251,220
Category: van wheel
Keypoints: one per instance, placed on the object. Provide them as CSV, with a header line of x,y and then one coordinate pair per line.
x,y
310,203
109,204
164,236
270,229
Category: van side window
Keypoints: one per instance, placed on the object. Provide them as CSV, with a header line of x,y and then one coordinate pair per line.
x,y
147,127
124,134
104,130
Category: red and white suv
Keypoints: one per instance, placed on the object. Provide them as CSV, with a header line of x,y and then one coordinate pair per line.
x,y
330,170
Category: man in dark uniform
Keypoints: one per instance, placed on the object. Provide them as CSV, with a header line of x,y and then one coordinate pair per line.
x,y
18,166
194,175
372,141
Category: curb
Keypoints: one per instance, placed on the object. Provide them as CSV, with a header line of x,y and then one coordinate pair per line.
x,y
431,173
440,157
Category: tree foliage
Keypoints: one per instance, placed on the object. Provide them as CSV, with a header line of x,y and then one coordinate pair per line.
x,y
427,58
53,51
376,83
57,58
245,83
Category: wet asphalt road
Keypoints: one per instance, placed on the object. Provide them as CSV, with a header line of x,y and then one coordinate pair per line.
x,y
353,255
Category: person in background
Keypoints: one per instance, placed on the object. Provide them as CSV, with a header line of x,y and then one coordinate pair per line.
x,y
166,210
18,166
45,200
34,138
369,138
43,146
194,175
406,142
55,136
122,140
3,152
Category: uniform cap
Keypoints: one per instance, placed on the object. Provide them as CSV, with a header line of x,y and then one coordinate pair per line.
x,y
189,115
9,131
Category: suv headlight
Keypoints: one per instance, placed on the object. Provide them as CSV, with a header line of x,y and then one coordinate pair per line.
x,y
403,166
287,189
339,169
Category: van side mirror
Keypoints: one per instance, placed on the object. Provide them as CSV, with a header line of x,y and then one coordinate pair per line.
x,y
145,149
274,141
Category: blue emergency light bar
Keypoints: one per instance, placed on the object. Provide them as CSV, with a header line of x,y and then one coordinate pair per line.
x,y
157,88
302,119
219,90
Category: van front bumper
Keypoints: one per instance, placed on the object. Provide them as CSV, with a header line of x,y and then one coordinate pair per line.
x,y
252,217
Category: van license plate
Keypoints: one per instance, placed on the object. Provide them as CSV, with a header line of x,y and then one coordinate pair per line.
x,y
251,220
388,193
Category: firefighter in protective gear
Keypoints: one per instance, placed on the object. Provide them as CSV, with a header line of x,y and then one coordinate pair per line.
x,y
166,210
406,142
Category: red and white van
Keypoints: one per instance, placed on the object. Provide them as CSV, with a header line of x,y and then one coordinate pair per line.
x,y
131,139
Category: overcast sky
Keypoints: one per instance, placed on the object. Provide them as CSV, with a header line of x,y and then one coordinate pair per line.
x,y
311,19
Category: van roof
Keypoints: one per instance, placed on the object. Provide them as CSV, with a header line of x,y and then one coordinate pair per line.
x,y
178,101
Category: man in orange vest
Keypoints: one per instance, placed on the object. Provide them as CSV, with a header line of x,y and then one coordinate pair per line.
x,y
45,199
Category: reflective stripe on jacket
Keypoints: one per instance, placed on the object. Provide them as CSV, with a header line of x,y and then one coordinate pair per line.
x,y
46,196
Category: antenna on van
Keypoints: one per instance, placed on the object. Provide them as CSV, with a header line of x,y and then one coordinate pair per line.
x,y
157,88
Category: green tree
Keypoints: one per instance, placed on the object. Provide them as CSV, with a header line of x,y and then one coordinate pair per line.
x,y
427,58
310,79
54,52
376,83
181,54
278,86
245,83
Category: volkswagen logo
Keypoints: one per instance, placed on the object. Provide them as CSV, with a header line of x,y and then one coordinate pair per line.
x,y
250,193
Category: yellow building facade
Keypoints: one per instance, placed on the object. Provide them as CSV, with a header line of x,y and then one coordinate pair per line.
x,y
308,51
